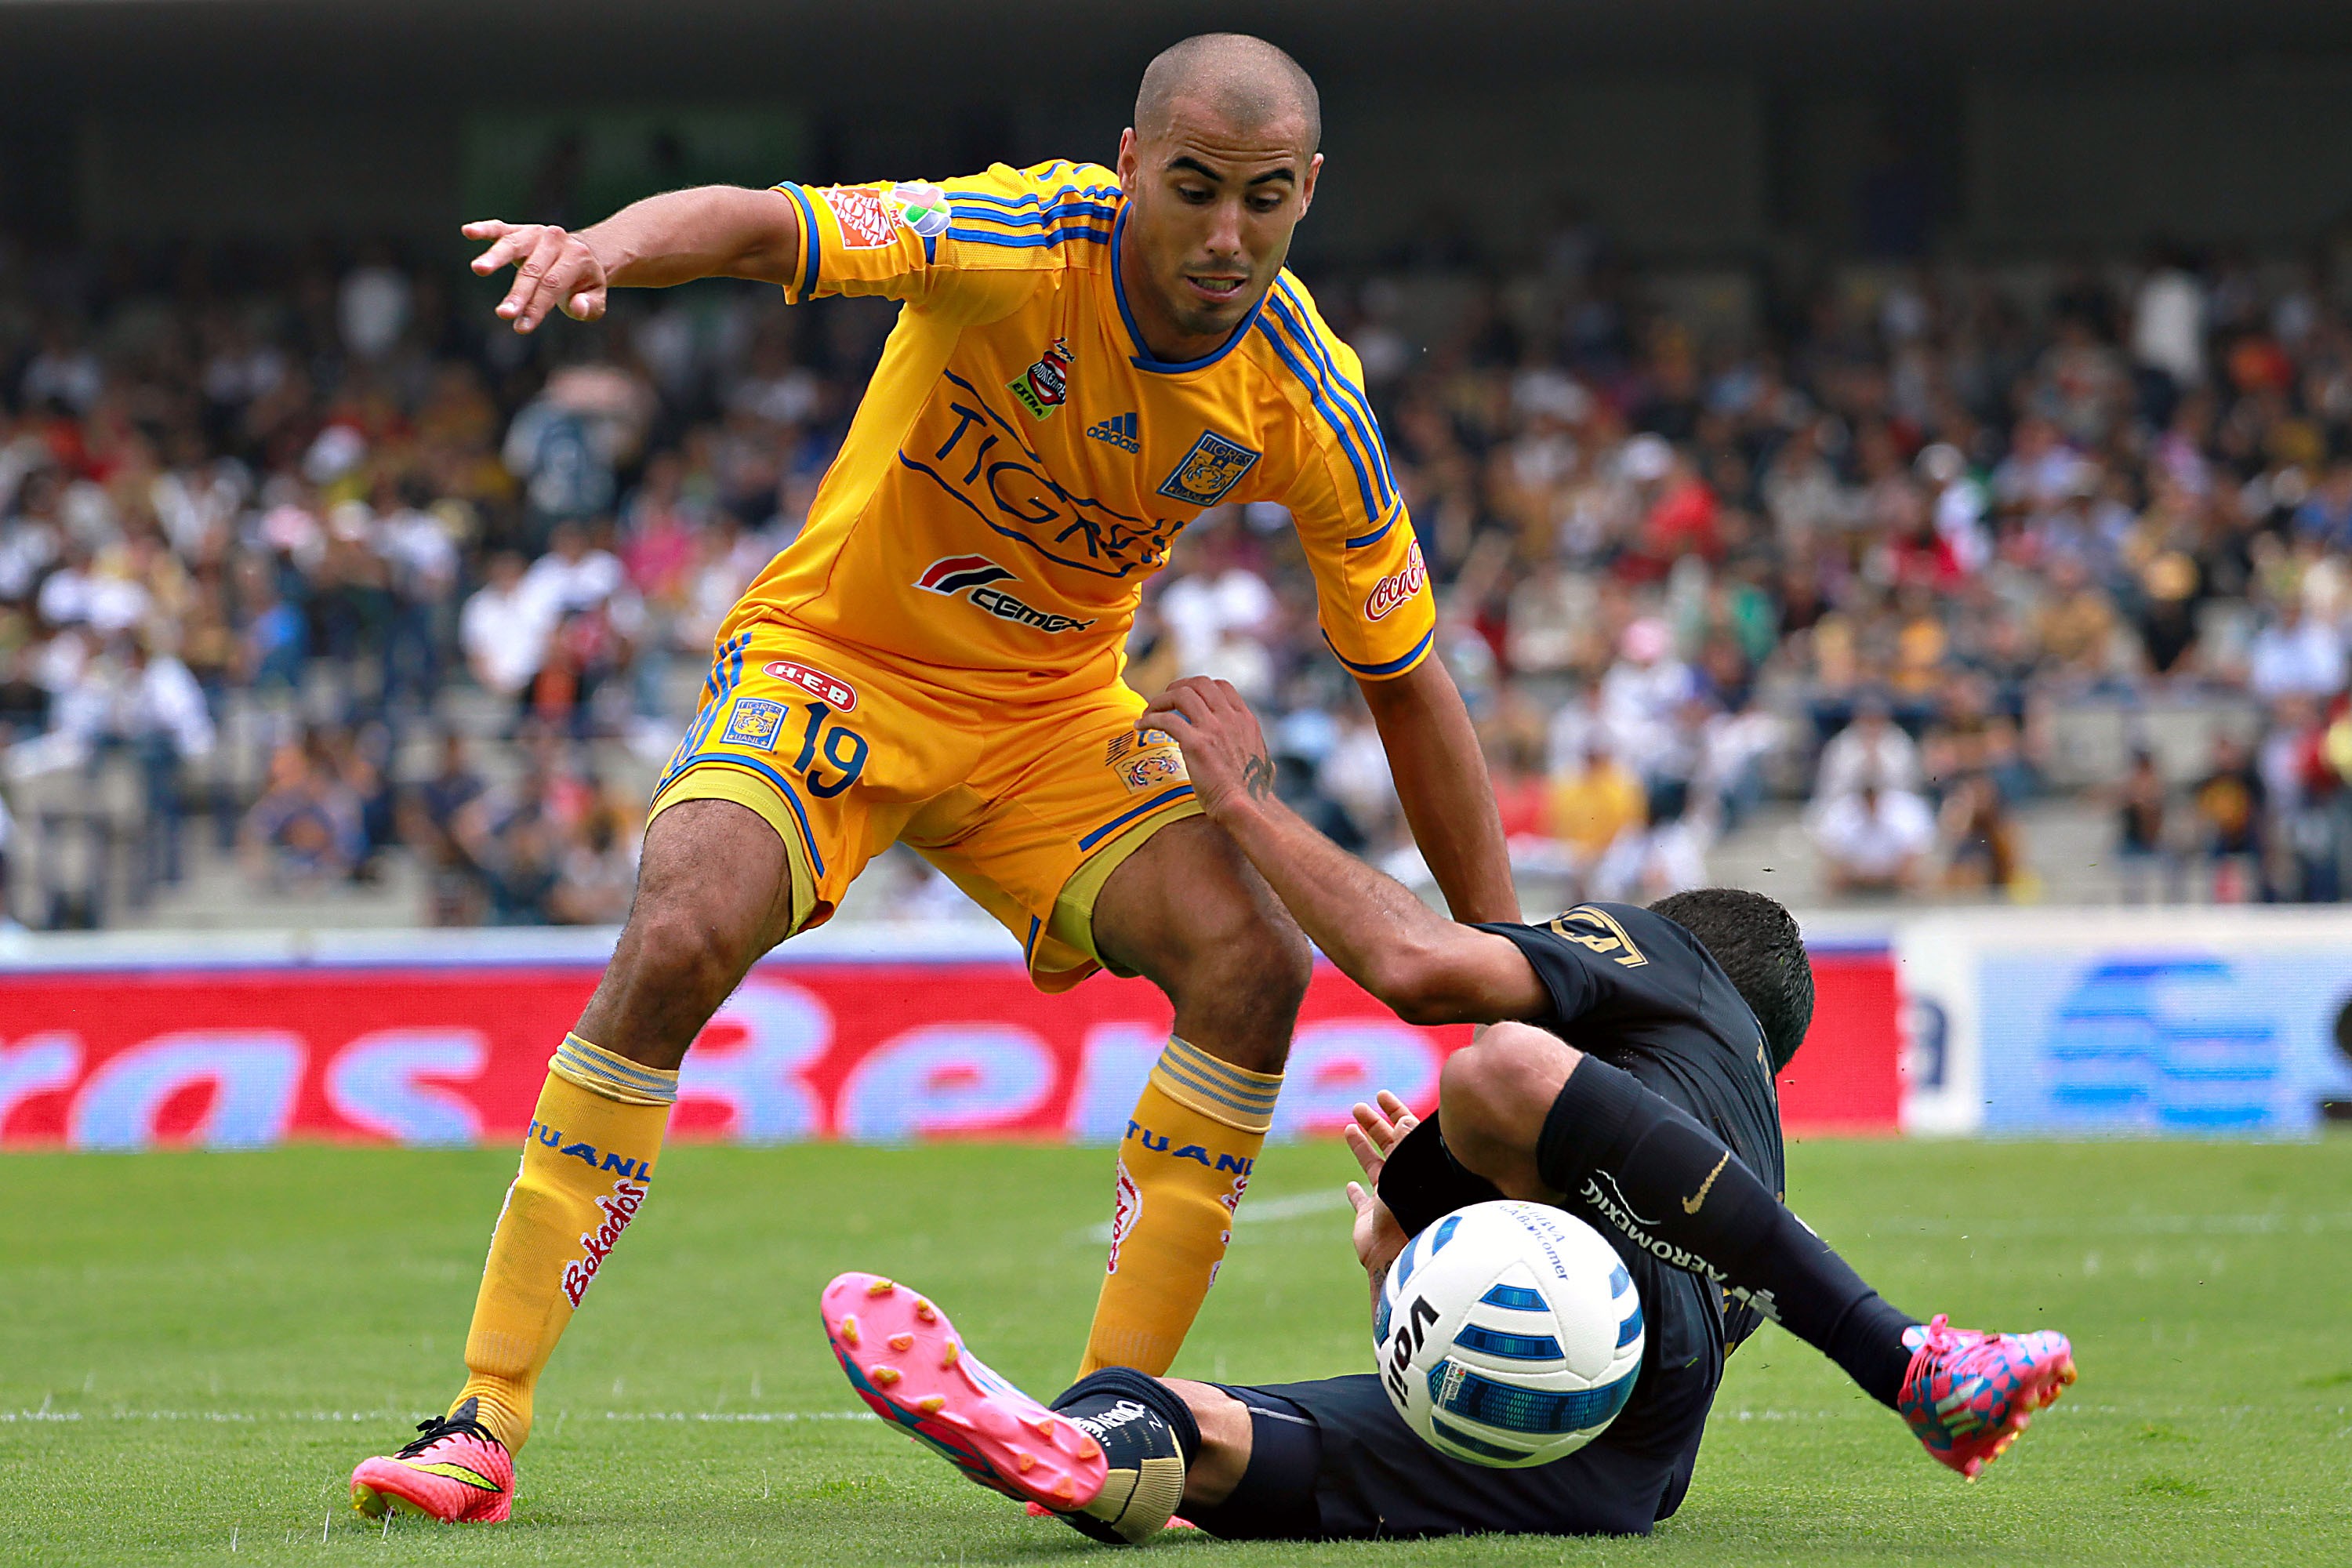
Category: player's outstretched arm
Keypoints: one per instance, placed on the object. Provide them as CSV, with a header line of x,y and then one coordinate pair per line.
x,y
713,231
1424,967
1440,780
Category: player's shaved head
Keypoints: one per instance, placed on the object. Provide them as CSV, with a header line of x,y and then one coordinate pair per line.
x,y
1245,82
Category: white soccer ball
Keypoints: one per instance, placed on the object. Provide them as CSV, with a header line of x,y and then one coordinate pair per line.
x,y
1508,1334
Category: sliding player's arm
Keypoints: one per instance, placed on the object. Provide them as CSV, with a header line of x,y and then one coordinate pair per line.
x,y
714,231
1424,967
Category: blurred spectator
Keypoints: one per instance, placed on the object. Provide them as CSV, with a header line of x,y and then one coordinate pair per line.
x,y
1871,747
2148,859
2230,812
1981,841
428,822
1595,805
304,832
599,871
506,629
1874,841
2295,656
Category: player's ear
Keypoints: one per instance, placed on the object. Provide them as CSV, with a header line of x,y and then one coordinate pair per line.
x,y
1306,186
1129,163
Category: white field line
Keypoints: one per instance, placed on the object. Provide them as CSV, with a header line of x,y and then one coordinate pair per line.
x,y
1266,1211
762,1417
1330,1201
2271,1223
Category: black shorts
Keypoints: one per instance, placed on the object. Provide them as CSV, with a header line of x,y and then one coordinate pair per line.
x,y
1332,1459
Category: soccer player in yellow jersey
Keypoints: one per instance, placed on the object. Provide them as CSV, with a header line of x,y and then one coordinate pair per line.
x,y
1086,359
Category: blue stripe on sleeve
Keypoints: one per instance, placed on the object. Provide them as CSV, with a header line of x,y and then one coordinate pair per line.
x,y
1088,193
1373,538
811,238
1313,384
1392,665
1028,241
1067,212
1350,396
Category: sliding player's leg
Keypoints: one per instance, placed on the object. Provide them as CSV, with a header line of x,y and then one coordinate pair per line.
x,y
1187,911
1116,1456
1542,1120
1120,1454
715,891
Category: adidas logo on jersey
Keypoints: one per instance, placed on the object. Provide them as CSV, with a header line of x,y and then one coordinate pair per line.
x,y
1120,430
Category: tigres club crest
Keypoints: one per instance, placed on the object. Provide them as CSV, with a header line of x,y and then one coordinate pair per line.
x,y
1045,385
1212,467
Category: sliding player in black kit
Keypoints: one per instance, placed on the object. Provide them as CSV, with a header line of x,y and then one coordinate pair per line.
x,y
1658,1125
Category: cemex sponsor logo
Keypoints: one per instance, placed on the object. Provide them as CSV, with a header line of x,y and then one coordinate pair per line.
x,y
1397,587
1125,1208
976,578
619,1207
1612,1206
836,693
1120,430
587,1155
869,220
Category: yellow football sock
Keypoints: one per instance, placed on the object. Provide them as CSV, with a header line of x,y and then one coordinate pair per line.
x,y
1182,1167
586,1163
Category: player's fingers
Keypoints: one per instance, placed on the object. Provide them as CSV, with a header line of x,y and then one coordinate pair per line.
x,y
516,307
1158,715
509,248
1358,1199
1366,1155
489,228
1397,1111
588,305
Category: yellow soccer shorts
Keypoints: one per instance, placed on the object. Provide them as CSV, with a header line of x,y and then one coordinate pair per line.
x,y
1028,808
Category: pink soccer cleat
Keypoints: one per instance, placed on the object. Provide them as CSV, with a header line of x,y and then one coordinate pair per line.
x,y
455,1471
1968,1396
905,1359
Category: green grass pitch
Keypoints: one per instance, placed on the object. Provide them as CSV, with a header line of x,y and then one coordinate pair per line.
x,y
195,1348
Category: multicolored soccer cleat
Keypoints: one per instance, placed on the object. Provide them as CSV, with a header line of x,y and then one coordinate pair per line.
x,y
905,1359
1966,1395
455,1471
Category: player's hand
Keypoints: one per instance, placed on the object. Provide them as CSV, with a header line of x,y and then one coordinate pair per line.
x,y
1224,751
554,270
1378,1237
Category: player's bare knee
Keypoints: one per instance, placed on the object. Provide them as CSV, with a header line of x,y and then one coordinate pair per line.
x,y
1243,988
1494,1096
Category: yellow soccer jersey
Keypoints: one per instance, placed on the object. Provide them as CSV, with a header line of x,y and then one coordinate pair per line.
x,y
1021,462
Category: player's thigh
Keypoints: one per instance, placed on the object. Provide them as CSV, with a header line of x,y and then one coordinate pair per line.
x,y
1494,1095
1187,909
714,892
1376,1477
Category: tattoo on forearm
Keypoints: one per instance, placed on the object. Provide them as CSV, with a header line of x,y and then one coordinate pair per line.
x,y
1257,777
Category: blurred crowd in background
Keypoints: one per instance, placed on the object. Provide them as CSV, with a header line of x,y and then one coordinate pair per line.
x,y
1853,548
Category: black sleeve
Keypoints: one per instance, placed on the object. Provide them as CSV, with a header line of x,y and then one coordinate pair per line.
x,y
1604,962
